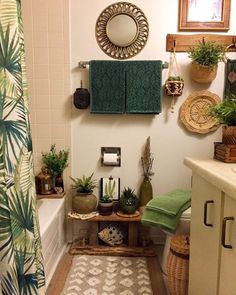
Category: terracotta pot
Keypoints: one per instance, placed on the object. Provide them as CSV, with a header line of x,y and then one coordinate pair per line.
x,y
84,203
105,208
229,134
202,74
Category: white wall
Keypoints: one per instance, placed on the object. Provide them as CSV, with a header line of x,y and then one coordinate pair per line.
x,y
170,141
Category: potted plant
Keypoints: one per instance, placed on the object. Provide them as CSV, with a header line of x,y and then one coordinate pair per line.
x,y
174,86
205,56
128,203
84,201
106,201
56,162
225,113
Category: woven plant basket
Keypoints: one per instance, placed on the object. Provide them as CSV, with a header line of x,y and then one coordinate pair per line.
x,y
178,265
229,134
202,74
174,88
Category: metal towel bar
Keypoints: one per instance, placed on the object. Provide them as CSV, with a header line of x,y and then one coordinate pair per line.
x,y
84,64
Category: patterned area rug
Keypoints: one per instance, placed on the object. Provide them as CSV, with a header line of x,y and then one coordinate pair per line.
x,y
108,275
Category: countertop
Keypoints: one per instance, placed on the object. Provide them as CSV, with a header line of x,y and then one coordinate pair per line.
x,y
221,175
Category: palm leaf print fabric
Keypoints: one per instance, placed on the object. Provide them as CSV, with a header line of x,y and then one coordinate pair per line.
x,y
21,263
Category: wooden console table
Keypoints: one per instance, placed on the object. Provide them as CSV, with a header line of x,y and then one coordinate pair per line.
x,y
130,249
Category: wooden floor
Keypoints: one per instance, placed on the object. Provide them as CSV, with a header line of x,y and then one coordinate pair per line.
x,y
57,283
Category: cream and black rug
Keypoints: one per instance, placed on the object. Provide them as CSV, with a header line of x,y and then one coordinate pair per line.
x,y
108,275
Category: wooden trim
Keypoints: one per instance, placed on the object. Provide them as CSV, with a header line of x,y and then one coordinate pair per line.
x,y
186,25
182,42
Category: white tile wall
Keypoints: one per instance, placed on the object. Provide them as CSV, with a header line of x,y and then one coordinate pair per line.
x,y
46,31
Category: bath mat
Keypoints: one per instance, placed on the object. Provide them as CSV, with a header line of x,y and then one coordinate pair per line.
x,y
108,275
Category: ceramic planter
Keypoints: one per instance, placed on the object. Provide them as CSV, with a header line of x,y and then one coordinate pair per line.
x,y
146,194
84,203
105,208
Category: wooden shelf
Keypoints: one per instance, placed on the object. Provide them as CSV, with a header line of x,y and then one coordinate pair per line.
x,y
183,42
112,251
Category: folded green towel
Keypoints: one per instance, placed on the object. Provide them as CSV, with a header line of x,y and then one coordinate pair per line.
x,y
166,213
171,202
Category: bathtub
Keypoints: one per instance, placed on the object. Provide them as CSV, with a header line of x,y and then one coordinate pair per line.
x,y
52,230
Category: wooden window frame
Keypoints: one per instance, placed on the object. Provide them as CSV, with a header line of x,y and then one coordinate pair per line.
x,y
185,25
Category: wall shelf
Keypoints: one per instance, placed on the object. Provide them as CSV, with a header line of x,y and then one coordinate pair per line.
x,y
182,42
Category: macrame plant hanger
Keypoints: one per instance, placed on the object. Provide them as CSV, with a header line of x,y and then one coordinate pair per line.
x,y
174,84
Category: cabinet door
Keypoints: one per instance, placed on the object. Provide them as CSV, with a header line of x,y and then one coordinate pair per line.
x,y
204,237
228,256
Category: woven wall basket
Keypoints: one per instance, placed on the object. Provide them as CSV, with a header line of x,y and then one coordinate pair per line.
x,y
194,112
229,134
202,74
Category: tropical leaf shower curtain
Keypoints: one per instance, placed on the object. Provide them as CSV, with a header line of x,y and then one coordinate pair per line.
x,y
21,265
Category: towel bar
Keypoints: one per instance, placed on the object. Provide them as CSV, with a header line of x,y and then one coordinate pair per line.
x,y
83,64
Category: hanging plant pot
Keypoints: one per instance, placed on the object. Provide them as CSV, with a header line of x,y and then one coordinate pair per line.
x,y
229,134
174,86
201,73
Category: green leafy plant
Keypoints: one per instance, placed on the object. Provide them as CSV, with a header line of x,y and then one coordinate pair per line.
x,y
54,161
175,78
225,112
106,199
84,184
128,202
207,53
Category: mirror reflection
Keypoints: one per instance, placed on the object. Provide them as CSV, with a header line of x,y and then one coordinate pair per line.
x,y
122,30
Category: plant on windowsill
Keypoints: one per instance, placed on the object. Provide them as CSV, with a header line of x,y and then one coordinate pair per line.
x,y
225,113
84,201
106,201
56,162
205,57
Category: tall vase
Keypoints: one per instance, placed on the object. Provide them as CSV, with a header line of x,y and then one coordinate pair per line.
x,y
146,194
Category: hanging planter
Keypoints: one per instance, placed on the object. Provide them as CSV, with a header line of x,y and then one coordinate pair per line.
x,y
202,74
174,84
205,56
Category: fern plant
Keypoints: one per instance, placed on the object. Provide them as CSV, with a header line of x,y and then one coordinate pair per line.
x,y
207,53
225,112
84,184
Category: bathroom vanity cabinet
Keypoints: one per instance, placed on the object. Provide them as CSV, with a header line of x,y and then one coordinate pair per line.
x,y
213,227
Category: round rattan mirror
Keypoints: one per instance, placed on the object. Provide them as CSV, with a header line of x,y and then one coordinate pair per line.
x,y
122,30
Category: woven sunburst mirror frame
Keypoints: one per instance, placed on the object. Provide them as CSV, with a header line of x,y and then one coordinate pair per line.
x,y
138,42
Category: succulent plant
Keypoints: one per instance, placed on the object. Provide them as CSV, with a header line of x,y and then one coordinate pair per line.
x,y
83,184
128,201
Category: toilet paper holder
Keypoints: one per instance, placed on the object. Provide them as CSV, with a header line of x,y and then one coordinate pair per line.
x,y
110,156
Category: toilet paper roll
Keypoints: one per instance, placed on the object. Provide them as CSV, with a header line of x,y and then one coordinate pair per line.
x,y
110,159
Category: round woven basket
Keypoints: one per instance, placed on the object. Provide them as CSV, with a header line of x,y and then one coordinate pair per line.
x,y
202,74
178,265
174,88
229,134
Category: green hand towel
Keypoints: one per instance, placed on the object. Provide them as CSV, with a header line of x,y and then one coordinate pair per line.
x,y
162,220
143,86
107,87
170,203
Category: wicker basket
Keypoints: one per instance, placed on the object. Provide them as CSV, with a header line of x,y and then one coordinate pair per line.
x,y
178,265
174,88
229,134
202,74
